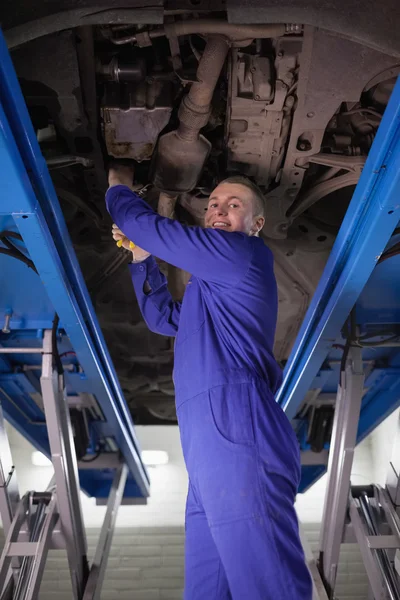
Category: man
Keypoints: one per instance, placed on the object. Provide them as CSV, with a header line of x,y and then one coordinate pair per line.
x,y
241,453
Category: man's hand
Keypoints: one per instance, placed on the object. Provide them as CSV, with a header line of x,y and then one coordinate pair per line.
x,y
138,254
121,174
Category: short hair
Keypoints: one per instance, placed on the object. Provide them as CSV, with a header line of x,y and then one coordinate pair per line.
x,y
258,196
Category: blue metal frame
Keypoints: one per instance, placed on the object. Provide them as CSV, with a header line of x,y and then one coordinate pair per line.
x,y
369,222
28,203
352,278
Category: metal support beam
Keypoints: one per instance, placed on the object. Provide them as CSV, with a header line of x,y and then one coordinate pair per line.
x,y
374,525
97,571
310,458
319,592
344,436
374,576
9,493
65,468
109,460
393,475
5,350
8,590
12,536
389,510
39,512
32,525
35,557
9,499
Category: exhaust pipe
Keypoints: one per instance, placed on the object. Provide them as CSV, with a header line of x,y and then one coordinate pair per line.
x,y
181,154
239,34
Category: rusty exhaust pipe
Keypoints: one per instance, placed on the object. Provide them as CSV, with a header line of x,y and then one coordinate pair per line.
x,y
181,154
234,32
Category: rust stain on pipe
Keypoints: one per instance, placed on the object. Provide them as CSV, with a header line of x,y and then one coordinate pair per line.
x,y
209,70
166,205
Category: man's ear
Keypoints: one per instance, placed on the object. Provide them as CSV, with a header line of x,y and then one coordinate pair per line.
x,y
257,225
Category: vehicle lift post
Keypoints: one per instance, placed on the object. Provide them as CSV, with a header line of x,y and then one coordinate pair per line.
x,y
51,519
367,515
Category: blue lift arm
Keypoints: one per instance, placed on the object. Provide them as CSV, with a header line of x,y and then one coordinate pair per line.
x,y
367,227
353,278
29,205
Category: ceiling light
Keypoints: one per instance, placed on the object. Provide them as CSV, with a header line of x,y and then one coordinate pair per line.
x,y
153,458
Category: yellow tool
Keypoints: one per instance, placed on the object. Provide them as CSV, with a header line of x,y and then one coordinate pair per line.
x,y
131,244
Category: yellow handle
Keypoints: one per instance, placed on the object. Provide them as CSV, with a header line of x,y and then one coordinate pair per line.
x,y
131,244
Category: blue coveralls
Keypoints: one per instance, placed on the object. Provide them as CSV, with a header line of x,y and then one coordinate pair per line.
x,y
242,456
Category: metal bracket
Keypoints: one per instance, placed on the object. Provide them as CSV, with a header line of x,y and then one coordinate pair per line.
x,y
374,577
175,52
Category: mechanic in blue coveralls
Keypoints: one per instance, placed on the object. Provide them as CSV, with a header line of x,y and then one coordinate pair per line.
x,y
242,456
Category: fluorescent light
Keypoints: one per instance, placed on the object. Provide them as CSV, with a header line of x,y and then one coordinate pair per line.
x,y
40,460
153,458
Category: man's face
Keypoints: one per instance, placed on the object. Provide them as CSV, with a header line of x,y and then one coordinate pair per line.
x,y
231,208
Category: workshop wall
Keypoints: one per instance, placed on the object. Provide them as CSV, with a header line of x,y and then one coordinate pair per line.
x,y
147,553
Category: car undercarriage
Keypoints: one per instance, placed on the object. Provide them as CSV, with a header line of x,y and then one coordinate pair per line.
x,y
193,94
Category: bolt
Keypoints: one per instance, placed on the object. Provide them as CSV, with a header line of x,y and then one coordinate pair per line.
x,y
256,97
289,102
310,115
252,70
7,318
293,27
280,54
304,145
